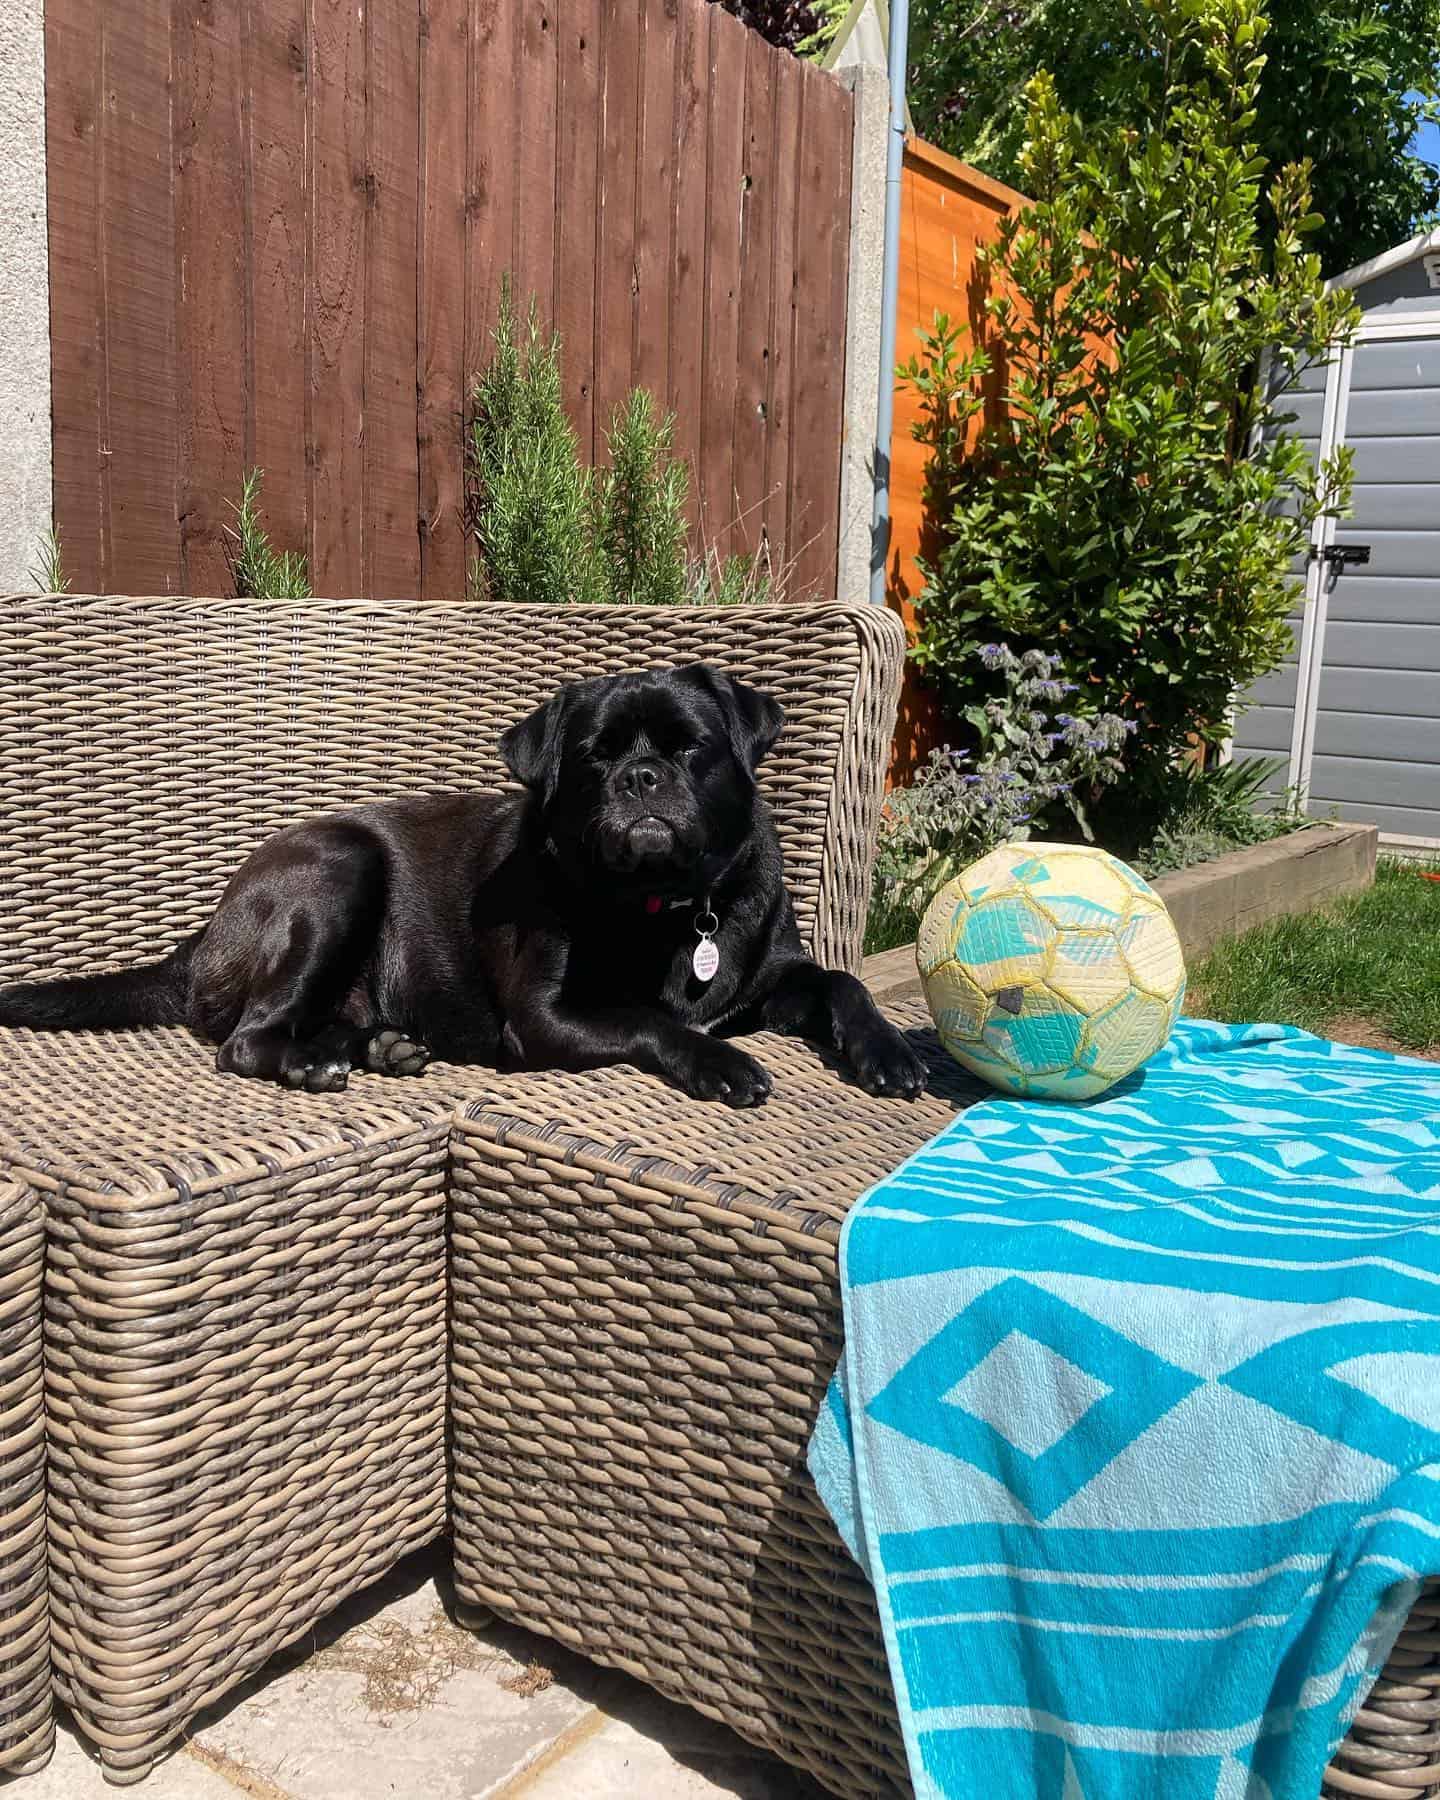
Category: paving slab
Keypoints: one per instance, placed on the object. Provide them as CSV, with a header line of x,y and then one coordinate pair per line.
x,y
394,1698
73,1774
649,1746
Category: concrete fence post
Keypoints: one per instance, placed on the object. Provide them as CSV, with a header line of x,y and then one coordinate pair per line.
x,y
871,89
25,484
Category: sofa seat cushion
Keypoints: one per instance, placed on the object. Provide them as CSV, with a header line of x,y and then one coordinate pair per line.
x,y
645,1314
245,1365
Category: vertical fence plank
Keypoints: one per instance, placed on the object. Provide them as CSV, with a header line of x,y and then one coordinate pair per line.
x,y
819,367
757,246
72,159
654,213
577,193
788,221
392,473
280,201
688,237
138,229
615,264
211,244
722,283
535,152
337,297
444,89
490,195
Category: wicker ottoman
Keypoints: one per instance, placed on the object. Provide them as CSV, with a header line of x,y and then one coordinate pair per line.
x,y
245,1361
27,1731
644,1317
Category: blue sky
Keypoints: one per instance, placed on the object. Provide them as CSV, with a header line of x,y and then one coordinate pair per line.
x,y
1426,143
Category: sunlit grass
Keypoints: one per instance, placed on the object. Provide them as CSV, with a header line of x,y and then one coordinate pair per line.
x,y
1372,957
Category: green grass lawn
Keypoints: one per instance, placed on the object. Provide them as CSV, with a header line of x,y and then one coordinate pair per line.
x,y
1365,971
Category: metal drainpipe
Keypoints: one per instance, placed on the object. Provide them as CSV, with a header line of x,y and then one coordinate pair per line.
x,y
899,56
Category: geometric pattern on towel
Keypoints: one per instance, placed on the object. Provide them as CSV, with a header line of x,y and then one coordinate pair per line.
x,y
1137,1428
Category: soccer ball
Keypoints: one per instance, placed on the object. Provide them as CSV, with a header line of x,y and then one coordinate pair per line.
x,y
1051,969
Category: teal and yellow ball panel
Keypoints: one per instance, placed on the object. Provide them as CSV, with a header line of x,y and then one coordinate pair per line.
x,y
1051,969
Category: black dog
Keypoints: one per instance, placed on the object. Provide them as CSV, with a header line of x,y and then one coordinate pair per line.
x,y
627,907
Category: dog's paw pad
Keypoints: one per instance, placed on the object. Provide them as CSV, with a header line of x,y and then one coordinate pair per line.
x,y
390,1052
328,1075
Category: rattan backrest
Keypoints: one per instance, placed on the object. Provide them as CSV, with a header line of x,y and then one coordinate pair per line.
x,y
146,745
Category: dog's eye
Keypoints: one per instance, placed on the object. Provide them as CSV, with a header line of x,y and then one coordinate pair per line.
x,y
609,747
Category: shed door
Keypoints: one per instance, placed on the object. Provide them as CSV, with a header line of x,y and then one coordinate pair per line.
x,y
1373,751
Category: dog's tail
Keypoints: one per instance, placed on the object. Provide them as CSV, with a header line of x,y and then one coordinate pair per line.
x,y
155,993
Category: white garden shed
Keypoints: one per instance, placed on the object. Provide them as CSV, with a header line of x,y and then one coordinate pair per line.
x,y
1354,714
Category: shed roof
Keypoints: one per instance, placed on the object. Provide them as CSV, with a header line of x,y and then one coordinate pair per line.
x,y
1388,259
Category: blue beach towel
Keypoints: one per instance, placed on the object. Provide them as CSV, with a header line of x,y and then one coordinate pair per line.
x,y
1137,1430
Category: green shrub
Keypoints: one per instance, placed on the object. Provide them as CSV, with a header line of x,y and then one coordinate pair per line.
x,y
1122,507
639,508
530,499
548,529
258,570
1205,812
1035,761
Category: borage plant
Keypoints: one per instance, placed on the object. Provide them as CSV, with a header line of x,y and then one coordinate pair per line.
x,y
1034,762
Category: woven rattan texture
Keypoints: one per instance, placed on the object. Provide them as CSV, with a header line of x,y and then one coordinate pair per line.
x,y
644,1316
27,1731
147,745
245,1338
1393,1750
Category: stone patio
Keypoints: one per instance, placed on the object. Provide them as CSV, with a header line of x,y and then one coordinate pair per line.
x,y
392,1699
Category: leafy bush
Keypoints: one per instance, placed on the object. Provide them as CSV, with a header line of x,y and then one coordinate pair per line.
x,y
548,529
804,26
1121,508
1032,759
258,570
1207,812
1350,80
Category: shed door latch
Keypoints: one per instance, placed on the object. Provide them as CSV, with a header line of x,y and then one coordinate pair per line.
x,y
1340,556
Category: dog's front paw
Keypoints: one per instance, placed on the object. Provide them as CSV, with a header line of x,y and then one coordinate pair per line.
x,y
884,1061
390,1052
715,1070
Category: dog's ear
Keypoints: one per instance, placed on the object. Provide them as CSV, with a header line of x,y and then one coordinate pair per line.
x,y
752,718
531,749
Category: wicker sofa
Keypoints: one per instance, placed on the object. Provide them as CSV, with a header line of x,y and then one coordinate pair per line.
x,y
258,1308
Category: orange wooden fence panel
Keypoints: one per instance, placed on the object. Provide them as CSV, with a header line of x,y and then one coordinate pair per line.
x,y
950,210
278,229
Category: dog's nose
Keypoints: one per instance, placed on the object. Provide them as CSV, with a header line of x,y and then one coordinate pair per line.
x,y
640,779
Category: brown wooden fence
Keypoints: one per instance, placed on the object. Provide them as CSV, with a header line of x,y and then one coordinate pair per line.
x,y
278,230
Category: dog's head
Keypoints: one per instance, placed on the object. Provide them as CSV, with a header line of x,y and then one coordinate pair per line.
x,y
647,780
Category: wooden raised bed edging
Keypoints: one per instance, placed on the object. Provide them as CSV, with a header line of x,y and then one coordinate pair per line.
x,y
1218,899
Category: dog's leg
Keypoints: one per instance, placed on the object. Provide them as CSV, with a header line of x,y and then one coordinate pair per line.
x,y
833,1009
291,941
542,1033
